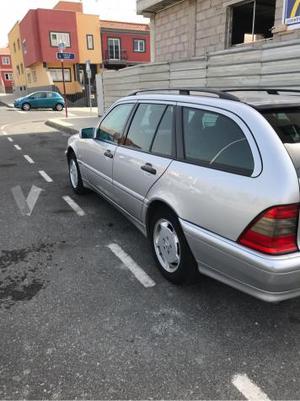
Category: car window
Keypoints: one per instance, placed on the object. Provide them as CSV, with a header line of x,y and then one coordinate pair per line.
x,y
286,122
51,95
162,143
216,141
112,127
144,126
39,95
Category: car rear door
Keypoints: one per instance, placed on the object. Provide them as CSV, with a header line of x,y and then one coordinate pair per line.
x,y
145,154
96,156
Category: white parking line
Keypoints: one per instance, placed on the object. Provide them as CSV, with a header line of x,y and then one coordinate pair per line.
x,y
45,176
21,111
135,269
18,147
74,206
29,159
10,139
249,390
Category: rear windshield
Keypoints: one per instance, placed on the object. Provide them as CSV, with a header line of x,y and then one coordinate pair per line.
x,y
286,122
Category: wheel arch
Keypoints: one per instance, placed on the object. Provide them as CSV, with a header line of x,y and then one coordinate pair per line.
x,y
152,207
70,151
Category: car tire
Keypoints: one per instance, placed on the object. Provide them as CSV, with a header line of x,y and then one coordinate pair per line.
x,y
58,107
170,248
75,175
26,106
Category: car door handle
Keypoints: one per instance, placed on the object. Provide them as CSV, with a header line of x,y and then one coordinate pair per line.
x,y
148,167
108,154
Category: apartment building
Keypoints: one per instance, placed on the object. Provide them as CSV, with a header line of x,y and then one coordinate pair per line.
x,y
6,72
124,44
182,29
34,45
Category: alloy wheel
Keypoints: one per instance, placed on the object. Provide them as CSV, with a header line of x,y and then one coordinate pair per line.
x,y
166,245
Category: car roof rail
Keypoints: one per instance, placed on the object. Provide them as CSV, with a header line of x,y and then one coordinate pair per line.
x,y
186,91
269,91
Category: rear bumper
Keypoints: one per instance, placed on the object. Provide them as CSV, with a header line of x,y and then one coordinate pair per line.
x,y
270,278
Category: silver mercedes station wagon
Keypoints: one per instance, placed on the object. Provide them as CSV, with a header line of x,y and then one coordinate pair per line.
x,y
210,177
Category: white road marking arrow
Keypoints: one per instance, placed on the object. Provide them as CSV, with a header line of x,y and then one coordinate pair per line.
x,y
26,206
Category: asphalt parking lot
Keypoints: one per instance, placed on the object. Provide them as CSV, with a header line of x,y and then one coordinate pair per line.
x,y
76,323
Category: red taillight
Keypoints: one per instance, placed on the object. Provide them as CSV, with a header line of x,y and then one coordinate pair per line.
x,y
273,231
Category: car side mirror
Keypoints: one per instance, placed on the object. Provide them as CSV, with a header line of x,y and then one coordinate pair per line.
x,y
87,133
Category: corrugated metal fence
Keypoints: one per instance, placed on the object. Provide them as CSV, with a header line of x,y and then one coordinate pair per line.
x,y
271,65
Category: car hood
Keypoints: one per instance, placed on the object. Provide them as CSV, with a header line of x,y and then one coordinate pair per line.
x,y
20,99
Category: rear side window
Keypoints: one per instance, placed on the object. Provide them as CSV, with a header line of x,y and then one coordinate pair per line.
x,y
286,122
214,140
112,127
162,143
144,126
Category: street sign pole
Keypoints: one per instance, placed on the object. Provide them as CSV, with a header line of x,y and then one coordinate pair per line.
x,y
90,93
64,86
61,48
89,76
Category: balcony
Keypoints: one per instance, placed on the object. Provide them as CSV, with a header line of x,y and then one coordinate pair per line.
x,y
116,57
151,6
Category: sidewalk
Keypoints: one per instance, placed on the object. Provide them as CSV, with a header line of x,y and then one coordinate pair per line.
x,y
73,125
7,99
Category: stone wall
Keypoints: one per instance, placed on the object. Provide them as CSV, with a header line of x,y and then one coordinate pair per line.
x,y
171,33
192,28
210,26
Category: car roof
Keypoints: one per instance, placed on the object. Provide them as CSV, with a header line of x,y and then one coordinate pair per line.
x,y
262,100
255,97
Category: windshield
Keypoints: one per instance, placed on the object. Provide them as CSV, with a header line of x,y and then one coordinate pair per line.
x,y
286,122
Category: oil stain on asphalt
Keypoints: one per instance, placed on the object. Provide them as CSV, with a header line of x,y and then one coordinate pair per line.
x,y
23,273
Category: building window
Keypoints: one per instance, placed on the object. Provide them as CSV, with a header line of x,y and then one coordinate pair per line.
x,y
56,74
252,21
29,77
14,45
24,46
18,69
114,48
60,37
5,60
90,42
34,76
18,43
22,68
8,76
139,46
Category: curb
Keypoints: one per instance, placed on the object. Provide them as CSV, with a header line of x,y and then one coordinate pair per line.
x,y
61,127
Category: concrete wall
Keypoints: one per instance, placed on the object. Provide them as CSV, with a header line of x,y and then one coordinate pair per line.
x,y
190,28
273,65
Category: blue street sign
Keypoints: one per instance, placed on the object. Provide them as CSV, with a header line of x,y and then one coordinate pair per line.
x,y
65,56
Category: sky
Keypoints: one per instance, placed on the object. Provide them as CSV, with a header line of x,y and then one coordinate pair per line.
x,y
122,10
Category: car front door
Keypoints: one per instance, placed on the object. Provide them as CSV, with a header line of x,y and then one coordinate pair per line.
x,y
145,154
38,99
96,156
